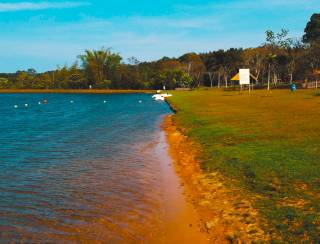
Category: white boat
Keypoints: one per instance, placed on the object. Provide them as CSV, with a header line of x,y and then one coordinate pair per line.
x,y
161,97
158,97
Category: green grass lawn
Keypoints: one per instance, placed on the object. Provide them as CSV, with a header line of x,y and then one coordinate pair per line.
x,y
269,142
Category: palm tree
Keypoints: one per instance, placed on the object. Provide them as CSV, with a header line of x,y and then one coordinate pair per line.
x,y
95,63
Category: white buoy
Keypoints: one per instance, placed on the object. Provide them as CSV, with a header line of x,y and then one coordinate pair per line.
x,y
15,106
140,101
71,101
39,103
26,105
104,101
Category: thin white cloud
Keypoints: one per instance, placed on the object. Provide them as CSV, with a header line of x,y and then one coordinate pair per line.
x,y
237,5
32,6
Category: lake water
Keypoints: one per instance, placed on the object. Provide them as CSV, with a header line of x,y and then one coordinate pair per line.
x,y
88,171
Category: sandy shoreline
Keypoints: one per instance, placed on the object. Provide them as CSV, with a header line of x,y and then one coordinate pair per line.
x,y
181,222
225,214
75,91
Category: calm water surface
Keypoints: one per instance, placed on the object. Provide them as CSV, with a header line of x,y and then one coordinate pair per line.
x,y
86,171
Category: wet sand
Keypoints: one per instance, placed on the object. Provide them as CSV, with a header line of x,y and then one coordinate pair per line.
x,y
182,221
225,212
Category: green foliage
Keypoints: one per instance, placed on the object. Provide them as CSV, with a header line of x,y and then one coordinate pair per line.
x,y
98,64
4,83
279,40
312,30
106,84
173,78
193,67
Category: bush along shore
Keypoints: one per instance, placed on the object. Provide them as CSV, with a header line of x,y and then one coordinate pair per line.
x,y
258,162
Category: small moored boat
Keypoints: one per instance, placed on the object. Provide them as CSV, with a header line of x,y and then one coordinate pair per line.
x,y
161,97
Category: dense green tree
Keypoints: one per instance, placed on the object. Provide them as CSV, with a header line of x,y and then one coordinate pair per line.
x,y
173,78
4,83
194,67
312,37
99,64
312,30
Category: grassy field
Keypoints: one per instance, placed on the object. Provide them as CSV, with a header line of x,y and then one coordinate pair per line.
x,y
269,144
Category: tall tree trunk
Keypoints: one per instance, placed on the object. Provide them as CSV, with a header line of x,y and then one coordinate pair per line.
x,y
189,67
291,78
211,76
269,74
219,79
198,78
275,78
258,75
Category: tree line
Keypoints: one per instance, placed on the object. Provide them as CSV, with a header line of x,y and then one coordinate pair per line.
x,y
280,60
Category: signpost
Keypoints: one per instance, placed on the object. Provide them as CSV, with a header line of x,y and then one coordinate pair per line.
x,y
244,77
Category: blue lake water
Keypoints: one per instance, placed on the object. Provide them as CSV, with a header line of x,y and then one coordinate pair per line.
x,y
86,171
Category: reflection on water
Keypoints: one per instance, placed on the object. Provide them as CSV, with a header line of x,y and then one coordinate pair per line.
x,y
86,171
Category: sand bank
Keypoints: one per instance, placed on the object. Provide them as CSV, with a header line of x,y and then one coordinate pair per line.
x,y
181,221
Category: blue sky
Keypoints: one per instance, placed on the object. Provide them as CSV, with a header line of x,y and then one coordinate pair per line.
x,y
44,34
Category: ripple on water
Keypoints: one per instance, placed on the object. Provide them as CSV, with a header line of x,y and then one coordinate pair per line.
x,y
82,171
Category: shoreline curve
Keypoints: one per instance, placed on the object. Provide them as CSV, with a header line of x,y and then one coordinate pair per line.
x,y
225,213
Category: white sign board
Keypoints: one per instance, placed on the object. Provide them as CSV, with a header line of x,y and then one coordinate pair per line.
x,y
244,76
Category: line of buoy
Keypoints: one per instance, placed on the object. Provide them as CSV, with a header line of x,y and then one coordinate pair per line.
x,y
71,101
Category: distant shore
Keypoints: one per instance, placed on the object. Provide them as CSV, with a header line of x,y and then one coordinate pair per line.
x,y
75,91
